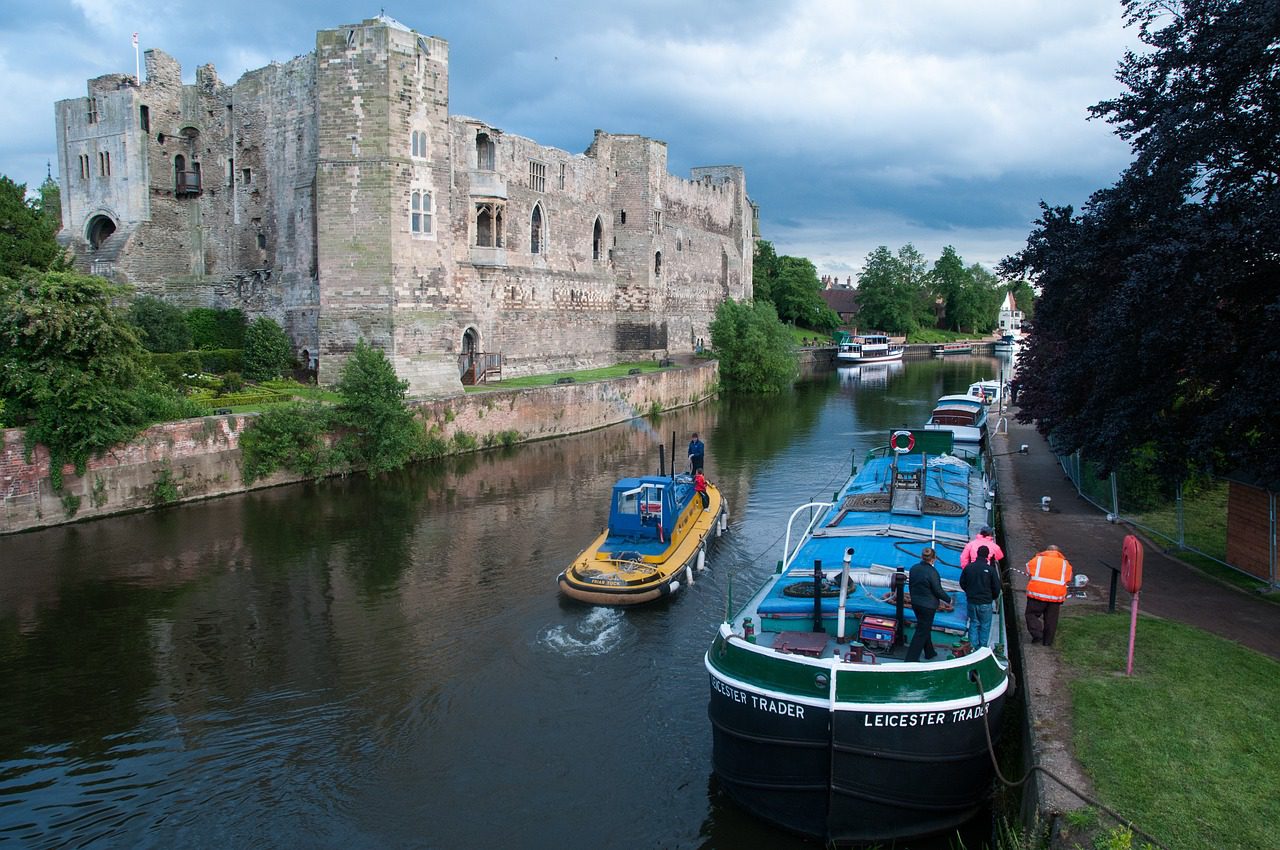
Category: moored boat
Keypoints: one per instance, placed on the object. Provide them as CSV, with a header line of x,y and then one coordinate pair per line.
x,y
965,416
819,724
1006,343
953,348
657,537
866,348
990,391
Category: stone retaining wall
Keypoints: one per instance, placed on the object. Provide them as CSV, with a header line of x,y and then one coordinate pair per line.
x,y
200,458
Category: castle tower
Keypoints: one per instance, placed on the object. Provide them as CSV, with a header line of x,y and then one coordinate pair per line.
x,y
383,198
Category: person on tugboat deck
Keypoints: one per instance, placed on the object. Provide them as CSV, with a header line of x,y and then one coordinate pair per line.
x,y
700,487
697,452
926,596
981,585
985,537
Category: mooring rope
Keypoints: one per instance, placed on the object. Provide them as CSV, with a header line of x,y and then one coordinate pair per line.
x,y
991,750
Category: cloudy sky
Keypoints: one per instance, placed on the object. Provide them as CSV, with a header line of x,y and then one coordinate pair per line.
x,y
859,122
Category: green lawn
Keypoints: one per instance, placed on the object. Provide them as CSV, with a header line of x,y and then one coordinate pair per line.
x,y
1189,746
934,336
619,371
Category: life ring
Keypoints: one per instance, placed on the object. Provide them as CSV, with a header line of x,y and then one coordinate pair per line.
x,y
894,442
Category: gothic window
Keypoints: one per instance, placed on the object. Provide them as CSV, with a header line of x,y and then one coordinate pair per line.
x,y
537,237
420,213
484,152
418,144
597,239
657,262
537,176
93,111
84,167
657,222
489,225
144,118
562,175
104,163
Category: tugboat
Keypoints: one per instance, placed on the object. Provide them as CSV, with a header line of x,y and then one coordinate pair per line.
x,y
657,538
819,724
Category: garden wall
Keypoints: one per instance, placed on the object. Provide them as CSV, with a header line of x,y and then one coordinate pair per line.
x,y
200,458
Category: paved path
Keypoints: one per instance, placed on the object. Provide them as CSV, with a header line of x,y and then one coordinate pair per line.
x,y
1170,588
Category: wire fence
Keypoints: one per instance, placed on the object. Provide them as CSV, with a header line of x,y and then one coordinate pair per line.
x,y
1193,516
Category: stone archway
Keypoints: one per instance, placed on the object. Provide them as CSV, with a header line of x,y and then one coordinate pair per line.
x,y
98,230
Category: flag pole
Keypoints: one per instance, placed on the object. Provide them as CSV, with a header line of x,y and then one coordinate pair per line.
x,y
137,63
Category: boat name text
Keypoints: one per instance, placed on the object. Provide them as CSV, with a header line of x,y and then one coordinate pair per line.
x,y
773,706
924,718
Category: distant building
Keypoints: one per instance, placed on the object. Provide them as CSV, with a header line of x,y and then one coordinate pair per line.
x,y
337,194
1010,315
844,302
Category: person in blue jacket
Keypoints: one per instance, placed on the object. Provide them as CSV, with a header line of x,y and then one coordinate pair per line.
x,y
697,451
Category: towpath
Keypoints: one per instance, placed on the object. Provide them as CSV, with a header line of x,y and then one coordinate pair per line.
x,y
1170,589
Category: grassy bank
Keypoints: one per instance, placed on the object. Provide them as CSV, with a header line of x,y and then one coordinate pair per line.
x,y
621,370
1189,746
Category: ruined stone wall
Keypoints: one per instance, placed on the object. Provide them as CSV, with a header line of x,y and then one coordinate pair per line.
x,y
201,457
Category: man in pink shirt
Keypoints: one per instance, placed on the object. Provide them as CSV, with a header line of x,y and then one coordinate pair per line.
x,y
984,538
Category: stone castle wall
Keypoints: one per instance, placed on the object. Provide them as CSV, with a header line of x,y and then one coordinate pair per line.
x,y
309,173
201,457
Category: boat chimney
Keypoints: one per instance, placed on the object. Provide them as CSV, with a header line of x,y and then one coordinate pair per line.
x,y
900,583
662,460
817,596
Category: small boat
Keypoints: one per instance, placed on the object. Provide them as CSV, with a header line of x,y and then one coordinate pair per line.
x,y
989,392
866,348
965,416
819,724
953,348
1006,343
657,537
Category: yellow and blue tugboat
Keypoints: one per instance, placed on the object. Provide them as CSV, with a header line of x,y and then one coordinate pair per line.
x,y
657,538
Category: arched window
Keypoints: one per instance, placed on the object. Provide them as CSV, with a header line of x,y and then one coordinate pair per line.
x,y
597,239
484,152
418,144
537,238
657,262
420,213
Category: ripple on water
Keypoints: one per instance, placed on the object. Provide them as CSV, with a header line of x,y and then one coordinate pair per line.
x,y
598,632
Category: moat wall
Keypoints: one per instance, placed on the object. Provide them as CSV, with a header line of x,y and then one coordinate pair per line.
x,y
200,458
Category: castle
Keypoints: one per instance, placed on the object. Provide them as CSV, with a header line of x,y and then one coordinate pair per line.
x,y
337,194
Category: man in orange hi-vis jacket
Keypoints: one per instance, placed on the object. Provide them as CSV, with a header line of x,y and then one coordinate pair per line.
x,y
1049,575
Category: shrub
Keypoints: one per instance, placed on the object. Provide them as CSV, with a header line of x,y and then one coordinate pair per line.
x,y
232,382
215,329
383,435
464,442
754,348
267,350
290,436
161,326
221,360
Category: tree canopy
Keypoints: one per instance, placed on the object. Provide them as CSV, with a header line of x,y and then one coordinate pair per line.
x,y
27,232
1159,310
791,284
381,431
755,349
71,367
894,292
161,326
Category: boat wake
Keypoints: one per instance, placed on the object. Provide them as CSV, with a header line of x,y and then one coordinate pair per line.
x,y
597,633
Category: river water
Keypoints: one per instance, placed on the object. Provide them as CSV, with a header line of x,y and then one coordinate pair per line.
x,y
387,663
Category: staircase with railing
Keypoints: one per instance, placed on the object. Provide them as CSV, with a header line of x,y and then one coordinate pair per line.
x,y
478,367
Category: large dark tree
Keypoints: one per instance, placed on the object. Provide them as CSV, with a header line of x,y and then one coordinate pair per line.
x,y
1159,313
26,233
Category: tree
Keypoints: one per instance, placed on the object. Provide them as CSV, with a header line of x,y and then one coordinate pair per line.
x,y
382,432
755,349
216,328
267,350
161,326
950,279
71,368
764,271
977,307
26,235
1182,248
893,291
49,203
796,295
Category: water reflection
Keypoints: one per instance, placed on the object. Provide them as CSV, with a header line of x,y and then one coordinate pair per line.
x,y
387,662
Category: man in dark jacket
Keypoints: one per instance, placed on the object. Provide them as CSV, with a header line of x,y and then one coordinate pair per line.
x,y
926,595
981,585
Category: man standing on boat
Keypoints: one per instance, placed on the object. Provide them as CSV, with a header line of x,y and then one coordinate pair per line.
x,y
981,585
926,595
1050,573
985,538
696,453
